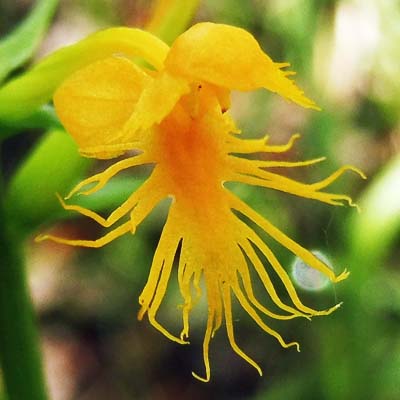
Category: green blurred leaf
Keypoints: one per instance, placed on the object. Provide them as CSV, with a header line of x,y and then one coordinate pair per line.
x,y
373,231
168,22
53,166
389,384
290,388
293,22
20,44
233,12
43,118
20,97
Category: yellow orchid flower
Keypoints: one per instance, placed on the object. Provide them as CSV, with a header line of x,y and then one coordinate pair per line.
x,y
174,115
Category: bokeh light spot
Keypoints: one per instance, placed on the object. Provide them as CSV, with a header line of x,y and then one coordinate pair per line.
x,y
308,278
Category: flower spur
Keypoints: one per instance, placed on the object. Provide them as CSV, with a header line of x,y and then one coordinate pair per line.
x,y
175,117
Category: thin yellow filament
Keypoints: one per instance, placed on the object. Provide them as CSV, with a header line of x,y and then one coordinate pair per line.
x,y
109,237
288,164
265,279
250,310
206,345
284,240
102,178
245,276
226,295
246,146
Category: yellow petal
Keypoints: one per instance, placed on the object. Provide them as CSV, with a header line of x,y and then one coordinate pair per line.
x,y
230,57
156,101
95,103
36,87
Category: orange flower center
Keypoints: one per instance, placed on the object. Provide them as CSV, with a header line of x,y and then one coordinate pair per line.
x,y
190,158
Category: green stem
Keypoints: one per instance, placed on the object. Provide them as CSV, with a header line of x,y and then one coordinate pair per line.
x,y
19,340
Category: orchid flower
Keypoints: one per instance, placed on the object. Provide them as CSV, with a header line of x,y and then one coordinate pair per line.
x,y
173,113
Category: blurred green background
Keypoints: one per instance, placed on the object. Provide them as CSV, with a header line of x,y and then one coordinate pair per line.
x,y
346,54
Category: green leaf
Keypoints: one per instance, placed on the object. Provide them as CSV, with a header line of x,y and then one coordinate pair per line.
x,y
23,95
44,118
374,230
169,21
20,44
53,166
